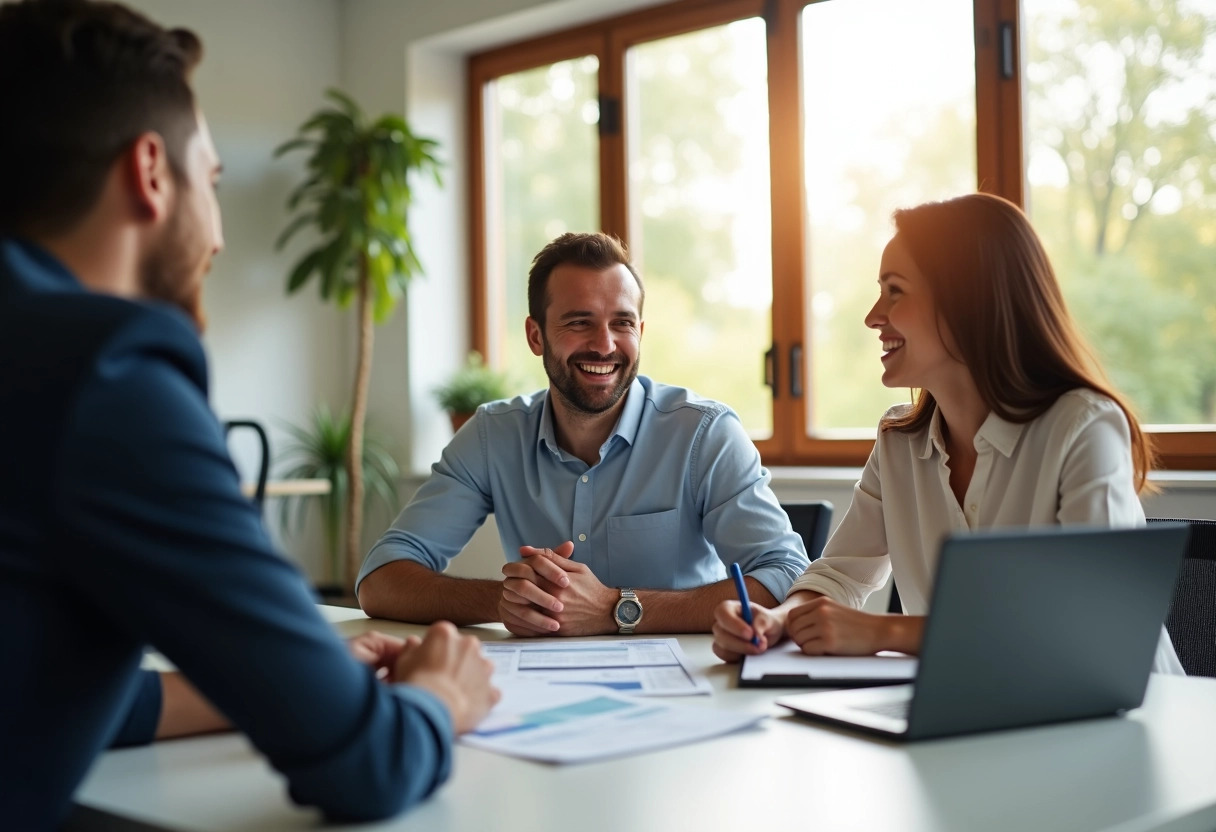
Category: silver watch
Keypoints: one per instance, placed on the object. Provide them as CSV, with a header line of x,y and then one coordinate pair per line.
x,y
627,612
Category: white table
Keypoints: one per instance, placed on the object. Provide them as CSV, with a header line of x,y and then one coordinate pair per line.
x,y
1153,769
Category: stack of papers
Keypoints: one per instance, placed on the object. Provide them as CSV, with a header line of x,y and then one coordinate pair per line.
x,y
566,702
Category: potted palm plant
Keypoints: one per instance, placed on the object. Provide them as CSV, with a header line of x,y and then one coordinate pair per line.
x,y
472,385
356,197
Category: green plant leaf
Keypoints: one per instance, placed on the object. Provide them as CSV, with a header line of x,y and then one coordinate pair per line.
x,y
348,105
296,224
293,144
303,270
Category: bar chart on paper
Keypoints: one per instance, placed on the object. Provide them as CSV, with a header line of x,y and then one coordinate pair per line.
x,y
638,667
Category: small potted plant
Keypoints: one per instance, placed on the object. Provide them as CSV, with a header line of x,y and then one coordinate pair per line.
x,y
473,384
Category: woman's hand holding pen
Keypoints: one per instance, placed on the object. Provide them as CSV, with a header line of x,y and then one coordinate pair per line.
x,y
733,635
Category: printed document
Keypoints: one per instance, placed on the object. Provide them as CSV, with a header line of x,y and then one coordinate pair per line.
x,y
638,667
581,723
785,665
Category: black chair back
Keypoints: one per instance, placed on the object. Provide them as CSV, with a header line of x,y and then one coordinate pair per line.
x,y
811,520
1191,621
259,494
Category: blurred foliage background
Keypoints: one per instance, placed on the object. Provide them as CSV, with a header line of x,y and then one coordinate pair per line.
x,y
1120,103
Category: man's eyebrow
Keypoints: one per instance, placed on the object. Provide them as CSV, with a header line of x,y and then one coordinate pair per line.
x,y
885,276
586,313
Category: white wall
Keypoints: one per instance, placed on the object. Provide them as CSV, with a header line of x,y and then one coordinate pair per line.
x,y
265,67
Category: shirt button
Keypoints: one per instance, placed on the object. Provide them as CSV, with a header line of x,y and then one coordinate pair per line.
x,y
584,477
582,537
973,508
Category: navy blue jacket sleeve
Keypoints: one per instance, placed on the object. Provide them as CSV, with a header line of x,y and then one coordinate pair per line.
x,y
158,536
143,715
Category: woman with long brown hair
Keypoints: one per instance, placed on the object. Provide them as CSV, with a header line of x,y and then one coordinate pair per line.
x,y
1013,425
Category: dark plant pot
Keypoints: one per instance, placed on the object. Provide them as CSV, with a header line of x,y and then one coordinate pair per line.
x,y
458,419
336,595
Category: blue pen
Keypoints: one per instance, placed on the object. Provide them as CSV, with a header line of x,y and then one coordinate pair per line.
x,y
741,588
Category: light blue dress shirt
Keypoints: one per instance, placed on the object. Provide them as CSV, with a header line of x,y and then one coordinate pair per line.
x,y
677,496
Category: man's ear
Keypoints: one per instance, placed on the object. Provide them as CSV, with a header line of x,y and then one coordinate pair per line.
x,y
536,340
150,176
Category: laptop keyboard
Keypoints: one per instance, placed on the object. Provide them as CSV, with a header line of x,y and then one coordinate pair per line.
x,y
896,708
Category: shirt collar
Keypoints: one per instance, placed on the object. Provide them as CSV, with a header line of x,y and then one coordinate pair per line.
x,y
631,413
1001,434
626,424
995,431
37,265
933,436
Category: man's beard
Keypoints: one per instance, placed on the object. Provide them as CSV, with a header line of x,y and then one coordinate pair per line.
x,y
173,270
564,377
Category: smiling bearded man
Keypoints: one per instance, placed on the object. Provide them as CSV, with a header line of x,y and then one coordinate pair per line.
x,y
620,502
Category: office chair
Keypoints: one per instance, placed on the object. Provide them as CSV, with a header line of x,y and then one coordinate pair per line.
x,y
259,494
1191,621
811,520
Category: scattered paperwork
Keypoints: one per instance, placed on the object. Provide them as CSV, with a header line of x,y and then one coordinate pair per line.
x,y
580,723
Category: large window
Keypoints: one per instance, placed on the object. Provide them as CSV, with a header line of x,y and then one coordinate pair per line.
x,y
751,152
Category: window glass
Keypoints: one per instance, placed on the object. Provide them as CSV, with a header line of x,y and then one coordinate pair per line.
x,y
698,168
888,122
1121,173
542,180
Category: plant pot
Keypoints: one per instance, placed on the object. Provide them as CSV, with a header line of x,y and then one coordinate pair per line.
x,y
459,419
336,595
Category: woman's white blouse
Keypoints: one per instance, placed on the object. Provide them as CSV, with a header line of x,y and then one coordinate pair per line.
x,y
1071,466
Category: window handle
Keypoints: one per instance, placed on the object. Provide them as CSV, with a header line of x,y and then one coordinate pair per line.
x,y
770,370
796,371
1005,30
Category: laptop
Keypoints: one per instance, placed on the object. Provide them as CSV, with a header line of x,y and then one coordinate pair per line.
x,y
1026,628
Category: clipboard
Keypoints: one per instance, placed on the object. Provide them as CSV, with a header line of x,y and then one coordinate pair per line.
x,y
786,667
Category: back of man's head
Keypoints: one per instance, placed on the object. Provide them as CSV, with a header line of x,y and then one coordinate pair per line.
x,y
79,82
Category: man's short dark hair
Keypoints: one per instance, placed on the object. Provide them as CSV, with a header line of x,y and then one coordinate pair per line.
x,y
79,82
596,250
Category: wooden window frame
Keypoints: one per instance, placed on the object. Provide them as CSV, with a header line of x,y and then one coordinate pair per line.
x,y
999,165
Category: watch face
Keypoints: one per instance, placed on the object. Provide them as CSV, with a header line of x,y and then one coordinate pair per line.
x,y
628,611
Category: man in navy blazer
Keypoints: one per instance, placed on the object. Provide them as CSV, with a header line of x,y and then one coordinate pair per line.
x,y
122,524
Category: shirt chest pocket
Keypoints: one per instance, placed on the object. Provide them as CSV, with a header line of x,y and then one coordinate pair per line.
x,y
643,549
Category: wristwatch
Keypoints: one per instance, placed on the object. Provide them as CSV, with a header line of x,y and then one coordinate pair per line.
x,y
627,612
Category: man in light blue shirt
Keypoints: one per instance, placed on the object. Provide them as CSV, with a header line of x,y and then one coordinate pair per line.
x,y
626,500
